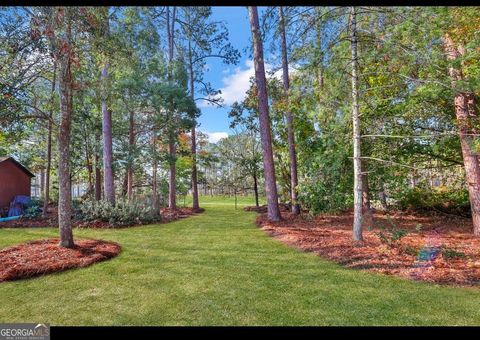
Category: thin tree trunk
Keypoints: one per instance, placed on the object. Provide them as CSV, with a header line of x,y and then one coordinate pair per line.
x,y
154,186
383,197
366,206
466,113
131,143
89,164
155,201
235,194
107,155
195,203
367,209
125,185
255,188
109,185
66,109
319,55
357,163
172,195
290,130
205,188
90,172
265,132
41,184
172,183
98,178
49,143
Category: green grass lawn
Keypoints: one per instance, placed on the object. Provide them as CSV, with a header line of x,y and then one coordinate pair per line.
x,y
218,268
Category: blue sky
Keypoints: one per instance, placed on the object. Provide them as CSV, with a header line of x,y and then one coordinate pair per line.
x,y
233,80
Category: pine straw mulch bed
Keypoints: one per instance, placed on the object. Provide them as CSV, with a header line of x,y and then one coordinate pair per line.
x,y
45,256
262,209
51,220
422,254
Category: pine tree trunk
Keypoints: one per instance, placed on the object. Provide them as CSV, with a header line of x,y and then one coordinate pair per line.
x,y
155,201
466,113
66,109
98,178
88,162
383,198
367,209
319,55
130,183
89,172
290,130
265,131
107,155
42,183
131,143
49,143
366,206
255,188
107,131
172,183
48,169
125,185
154,186
357,164
195,203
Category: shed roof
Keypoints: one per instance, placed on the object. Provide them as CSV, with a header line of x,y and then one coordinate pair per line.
x,y
20,166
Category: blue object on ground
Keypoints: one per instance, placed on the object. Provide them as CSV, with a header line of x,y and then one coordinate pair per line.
x,y
428,253
15,211
17,205
5,219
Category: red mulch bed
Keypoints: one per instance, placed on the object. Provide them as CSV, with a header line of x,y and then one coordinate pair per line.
x,y
45,256
168,215
330,236
51,220
263,208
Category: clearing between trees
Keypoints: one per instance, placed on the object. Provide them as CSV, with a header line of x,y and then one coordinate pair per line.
x,y
218,268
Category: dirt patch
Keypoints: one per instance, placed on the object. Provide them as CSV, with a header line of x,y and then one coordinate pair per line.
x,y
45,256
434,248
51,220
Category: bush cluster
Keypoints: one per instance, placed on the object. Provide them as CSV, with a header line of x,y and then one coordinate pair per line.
x,y
441,199
122,213
32,209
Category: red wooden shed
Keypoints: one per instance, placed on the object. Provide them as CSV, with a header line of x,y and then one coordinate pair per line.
x,y
14,180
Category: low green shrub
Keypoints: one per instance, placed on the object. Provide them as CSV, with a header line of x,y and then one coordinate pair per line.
x,y
32,209
443,199
412,251
318,197
122,213
452,254
390,235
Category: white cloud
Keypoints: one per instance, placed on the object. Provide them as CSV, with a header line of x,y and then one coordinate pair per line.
x,y
236,85
214,137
